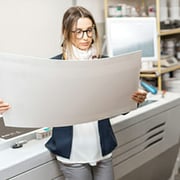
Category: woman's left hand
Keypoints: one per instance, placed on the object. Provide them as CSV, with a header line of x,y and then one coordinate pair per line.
x,y
3,106
139,96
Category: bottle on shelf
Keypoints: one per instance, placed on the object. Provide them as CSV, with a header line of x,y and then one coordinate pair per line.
x,y
143,12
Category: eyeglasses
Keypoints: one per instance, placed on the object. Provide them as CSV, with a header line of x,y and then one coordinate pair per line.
x,y
79,33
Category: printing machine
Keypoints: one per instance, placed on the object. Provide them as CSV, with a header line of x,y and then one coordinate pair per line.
x,y
148,145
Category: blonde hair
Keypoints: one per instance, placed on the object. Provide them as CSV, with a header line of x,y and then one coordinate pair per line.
x,y
70,18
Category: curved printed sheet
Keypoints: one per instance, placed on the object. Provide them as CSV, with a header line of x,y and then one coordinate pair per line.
x,y
44,92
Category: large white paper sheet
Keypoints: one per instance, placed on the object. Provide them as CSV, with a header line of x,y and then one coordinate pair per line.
x,y
44,92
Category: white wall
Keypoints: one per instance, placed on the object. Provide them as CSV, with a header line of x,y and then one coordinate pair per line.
x,y
96,7
31,27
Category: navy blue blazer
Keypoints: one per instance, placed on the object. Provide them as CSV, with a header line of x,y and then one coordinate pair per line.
x,y
60,142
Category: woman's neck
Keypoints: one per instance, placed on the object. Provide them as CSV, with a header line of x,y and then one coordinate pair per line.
x,y
78,54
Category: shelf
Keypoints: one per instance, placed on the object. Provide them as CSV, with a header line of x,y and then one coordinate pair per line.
x,y
154,71
165,32
153,75
169,69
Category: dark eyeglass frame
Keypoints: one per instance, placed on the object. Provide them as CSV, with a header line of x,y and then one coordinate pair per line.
x,y
87,31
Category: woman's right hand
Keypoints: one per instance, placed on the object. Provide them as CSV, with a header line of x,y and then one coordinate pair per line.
x,y
3,106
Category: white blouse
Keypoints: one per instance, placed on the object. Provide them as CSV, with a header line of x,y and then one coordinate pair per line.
x,y
85,145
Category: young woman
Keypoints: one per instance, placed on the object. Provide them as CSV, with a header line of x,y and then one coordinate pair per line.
x,y
84,151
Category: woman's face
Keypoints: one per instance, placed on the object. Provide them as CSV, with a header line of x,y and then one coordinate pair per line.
x,y
82,33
